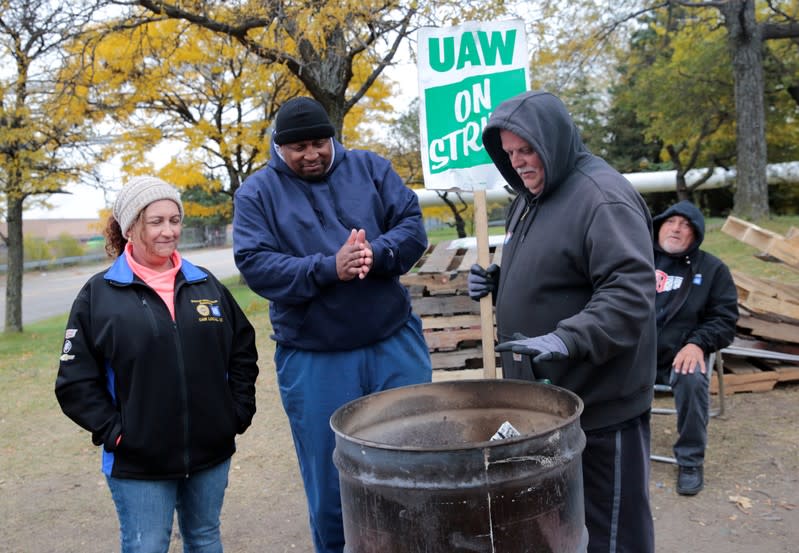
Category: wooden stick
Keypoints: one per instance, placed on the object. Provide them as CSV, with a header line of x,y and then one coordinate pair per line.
x,y
486,303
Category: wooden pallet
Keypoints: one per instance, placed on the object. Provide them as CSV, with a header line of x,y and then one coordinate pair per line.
x,y
756,366
769,310
768,297
742,375
784,248
766,326
451,320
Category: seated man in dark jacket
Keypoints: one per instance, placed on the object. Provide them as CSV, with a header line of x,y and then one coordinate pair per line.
x,y
697,308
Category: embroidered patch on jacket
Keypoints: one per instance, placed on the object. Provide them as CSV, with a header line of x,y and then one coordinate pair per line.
x,y
70,333
67,347
208,310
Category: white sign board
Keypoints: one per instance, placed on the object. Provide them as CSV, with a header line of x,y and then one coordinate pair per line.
x,y
464,73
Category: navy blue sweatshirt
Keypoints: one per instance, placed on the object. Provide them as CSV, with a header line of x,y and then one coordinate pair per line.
x,y
287,230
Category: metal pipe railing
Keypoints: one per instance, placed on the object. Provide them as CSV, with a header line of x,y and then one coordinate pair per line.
x,y
656,181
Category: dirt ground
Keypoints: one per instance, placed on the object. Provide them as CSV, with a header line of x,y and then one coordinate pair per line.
x,y
53,499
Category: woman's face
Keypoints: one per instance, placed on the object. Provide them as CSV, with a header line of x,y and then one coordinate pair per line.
x,y
155,234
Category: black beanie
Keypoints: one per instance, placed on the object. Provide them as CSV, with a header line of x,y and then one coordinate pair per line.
x,y
300,119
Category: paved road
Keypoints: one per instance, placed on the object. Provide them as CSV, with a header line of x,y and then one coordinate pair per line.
x,y
49,293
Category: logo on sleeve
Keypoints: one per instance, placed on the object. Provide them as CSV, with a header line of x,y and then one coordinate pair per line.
x,y
65,356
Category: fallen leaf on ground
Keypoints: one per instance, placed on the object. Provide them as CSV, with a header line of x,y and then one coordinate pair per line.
x,y
742,502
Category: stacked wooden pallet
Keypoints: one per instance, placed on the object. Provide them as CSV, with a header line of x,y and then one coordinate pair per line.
x,y
766,350
451,319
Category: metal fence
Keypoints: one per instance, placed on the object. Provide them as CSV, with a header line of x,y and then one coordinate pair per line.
x,y
62,262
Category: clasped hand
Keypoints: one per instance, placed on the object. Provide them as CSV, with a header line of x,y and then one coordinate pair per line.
x,y
547,347
355,257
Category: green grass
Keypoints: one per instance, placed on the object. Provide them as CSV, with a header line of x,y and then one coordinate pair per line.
x,y
448,233
40,345
29,360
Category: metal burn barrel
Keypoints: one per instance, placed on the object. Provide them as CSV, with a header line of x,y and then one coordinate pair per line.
x,y
419,472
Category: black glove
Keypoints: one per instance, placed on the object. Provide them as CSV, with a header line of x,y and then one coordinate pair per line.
x,y
547,347
482,281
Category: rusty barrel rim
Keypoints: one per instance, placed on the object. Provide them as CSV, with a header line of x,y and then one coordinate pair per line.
x,y
571,409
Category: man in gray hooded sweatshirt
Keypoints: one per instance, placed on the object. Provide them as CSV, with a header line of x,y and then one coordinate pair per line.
x,y
575,302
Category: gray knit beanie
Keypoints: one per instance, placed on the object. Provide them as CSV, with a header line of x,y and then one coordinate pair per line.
x,y
138,194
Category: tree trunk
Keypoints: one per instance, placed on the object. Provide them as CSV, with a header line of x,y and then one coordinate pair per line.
x,y
459,223
682,187
15,266
336,110
745,41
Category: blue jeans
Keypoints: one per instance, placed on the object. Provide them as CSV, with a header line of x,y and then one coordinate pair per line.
x,y
146,509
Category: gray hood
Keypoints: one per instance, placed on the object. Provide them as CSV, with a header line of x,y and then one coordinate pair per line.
x,y
543,121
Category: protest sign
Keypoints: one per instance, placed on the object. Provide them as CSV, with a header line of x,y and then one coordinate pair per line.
x,y
464,72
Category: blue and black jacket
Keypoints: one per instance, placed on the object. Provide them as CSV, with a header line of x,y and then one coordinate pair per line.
x,y
177,391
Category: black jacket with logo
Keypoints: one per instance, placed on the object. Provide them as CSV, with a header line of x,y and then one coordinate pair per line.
x,y
697,301
176,391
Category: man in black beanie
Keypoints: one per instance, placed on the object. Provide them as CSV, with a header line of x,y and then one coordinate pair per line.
x,y
324,234
301,119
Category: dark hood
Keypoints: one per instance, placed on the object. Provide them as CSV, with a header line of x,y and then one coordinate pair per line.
x,y
690,212
543,121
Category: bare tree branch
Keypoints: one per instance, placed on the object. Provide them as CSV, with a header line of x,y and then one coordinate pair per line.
x,y
773,31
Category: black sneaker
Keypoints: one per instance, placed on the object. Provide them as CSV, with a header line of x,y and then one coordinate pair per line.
x,y
690,480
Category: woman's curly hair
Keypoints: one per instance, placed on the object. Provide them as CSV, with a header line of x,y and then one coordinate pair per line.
x,y
114,241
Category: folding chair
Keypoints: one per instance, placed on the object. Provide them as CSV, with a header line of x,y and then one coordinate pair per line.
x,y
716,363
